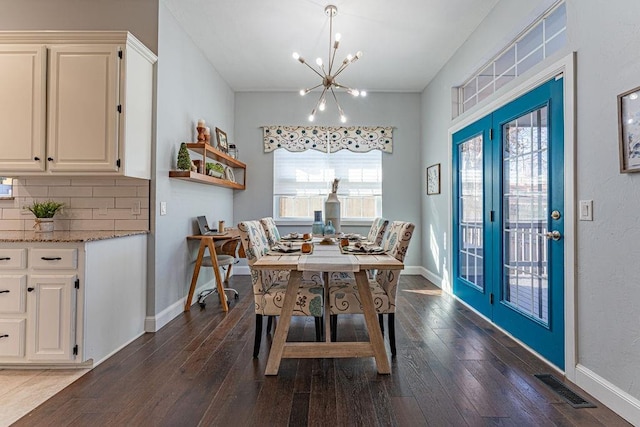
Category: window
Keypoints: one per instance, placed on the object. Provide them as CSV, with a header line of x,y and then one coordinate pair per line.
x,y
302,180
540,40
6,188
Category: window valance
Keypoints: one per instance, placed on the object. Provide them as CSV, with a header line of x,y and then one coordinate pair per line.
x,y
353,138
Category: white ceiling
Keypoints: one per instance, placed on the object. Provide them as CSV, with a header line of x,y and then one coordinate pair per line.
x,y
405,42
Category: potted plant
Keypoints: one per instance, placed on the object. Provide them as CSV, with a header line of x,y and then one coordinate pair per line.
x,y
44,213
215,169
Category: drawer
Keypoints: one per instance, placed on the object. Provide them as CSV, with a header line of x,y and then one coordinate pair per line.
x,y
12,337
13,293
53,259
12,259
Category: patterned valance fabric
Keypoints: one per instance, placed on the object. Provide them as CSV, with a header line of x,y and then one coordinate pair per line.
x,y
301,138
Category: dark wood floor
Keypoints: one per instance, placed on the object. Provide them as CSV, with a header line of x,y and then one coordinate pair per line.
x,y
452,369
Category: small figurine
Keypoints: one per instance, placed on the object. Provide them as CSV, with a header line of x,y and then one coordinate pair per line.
x,y
201,128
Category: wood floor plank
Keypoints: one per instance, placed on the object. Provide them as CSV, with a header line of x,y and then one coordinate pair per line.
x,y
452,368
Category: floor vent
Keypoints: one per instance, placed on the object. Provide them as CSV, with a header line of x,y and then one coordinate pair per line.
x,y
569,395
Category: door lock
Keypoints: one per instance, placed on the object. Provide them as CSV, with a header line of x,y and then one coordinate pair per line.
x,y
555,215
554,235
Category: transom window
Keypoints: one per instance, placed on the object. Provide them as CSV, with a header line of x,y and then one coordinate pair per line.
x,y
302,180
543,38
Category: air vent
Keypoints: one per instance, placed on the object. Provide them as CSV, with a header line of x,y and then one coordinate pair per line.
x,y
570,396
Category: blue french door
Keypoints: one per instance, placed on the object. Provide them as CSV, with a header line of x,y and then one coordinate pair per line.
x,y
508,192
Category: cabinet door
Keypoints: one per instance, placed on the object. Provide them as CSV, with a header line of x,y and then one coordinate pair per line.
x,y
22,108
82,108
51,317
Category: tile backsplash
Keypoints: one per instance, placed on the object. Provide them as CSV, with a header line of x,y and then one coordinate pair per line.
x,y
90,203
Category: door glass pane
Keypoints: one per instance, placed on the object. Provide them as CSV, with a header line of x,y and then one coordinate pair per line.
x,y
525,178
470,227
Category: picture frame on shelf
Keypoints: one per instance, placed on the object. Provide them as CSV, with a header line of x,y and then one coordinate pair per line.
x,y
433,179
629,130
221,138
229,175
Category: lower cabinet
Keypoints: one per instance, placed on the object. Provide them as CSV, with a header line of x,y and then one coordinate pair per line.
x,y
51,317
71,304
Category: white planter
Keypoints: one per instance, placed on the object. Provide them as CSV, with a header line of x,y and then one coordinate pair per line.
x,y
43,225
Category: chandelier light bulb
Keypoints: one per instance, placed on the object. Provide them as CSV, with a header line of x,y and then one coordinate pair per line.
x,y
356,92
349,57
343,118
303,92
322,105
319,62
296,55
338,37
363,93
311,117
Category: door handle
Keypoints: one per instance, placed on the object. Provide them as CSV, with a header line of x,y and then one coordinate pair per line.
x,y
554,235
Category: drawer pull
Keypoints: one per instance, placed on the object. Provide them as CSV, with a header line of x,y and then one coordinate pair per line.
x,y
30,289
5,258
5,291
51,258
4,336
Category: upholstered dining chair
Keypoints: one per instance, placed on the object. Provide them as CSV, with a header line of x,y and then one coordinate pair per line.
x,y
269,286
343,291
377,230
271,230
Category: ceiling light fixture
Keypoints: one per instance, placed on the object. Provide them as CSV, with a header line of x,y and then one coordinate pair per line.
x,y
327,75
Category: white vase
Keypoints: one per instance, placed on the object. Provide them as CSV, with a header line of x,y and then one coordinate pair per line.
x,y
332,211
43,225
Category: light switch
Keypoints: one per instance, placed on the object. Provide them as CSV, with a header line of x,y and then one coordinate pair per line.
x,y
586,210
135,209
163,208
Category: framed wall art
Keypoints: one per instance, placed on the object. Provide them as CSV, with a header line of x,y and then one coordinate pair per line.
x,y
433,179
629,130
221,138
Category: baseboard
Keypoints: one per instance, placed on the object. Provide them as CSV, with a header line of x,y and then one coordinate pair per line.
x,y
622,403
118,349
154,323
433,277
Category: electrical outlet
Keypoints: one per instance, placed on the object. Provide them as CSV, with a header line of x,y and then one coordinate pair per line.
x,y
163,208
135,209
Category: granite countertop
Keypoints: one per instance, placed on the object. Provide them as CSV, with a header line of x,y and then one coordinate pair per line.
x,y
65,236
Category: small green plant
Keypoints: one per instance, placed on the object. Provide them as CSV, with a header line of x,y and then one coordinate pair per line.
x,y
184,161
217,167
46,209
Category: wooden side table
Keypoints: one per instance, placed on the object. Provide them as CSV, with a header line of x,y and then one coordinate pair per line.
x,y
208,242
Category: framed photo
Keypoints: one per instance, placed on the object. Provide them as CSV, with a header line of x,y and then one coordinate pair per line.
x,y
629,130
229,175
221,137
433,179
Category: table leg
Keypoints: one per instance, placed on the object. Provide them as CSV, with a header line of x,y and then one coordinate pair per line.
x,y
216,273
196,273
282,329
370,317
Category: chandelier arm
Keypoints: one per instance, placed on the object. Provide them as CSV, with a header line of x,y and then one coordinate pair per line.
x,y
341,69
335,98
312,88
314,70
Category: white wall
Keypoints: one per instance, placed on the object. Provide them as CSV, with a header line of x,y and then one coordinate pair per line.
x,y
401,171
604,35
188,89
139,17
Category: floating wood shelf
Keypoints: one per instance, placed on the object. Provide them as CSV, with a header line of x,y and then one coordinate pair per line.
x,y
208,152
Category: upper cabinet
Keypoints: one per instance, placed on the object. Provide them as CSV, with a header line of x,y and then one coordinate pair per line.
x,y
77,103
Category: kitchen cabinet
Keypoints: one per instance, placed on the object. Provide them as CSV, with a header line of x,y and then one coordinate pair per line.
x,y
75,103
205,153
70,303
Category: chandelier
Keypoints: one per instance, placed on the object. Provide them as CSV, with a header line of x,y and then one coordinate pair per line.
x,y
328,74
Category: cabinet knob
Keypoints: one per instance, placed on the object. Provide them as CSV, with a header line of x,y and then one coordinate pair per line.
x,y
37,159
5,291
4,336
50,159
30,289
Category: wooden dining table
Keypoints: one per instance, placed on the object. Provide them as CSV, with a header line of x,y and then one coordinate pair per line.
x,y
326,259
